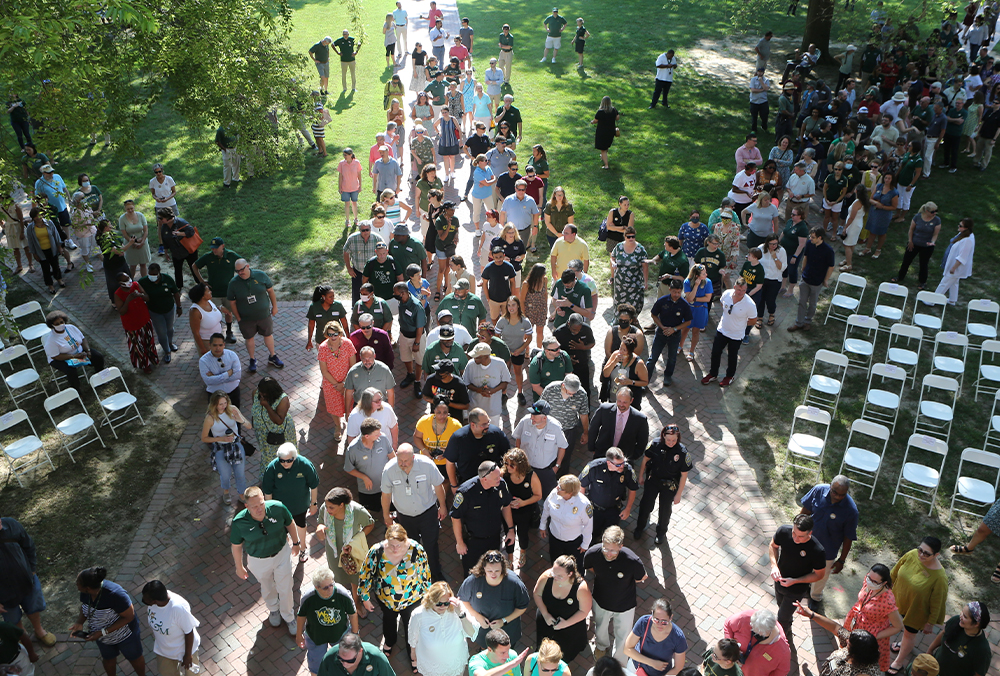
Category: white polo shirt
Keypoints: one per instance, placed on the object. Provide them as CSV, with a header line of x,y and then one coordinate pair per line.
x,y
733,324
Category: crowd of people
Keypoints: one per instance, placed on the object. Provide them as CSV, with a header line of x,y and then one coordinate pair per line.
x,y
466,331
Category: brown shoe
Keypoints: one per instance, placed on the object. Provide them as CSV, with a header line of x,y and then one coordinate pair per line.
x,y
795,327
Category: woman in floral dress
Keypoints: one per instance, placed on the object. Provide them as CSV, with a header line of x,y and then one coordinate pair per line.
x,y
630,270
535,299
729,232
270,417
876,612
336,355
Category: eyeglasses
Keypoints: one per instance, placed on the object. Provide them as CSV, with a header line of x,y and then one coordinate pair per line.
x,y
924,552
242,269
521,189
659,621
324,587
629,236
289,461
618,464
366,229
442,604
493,558
551,350
348,661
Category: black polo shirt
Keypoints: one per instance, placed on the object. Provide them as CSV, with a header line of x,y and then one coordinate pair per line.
x,y
614,581
564,335
797,560
505,183
607,489
478,145
467,452
481,510
671,313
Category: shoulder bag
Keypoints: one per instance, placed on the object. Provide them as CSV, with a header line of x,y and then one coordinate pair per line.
x,y
602,232
192,243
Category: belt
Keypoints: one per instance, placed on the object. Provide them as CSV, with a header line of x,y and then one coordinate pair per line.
x,y
272,555
400,25
423,513
408,335
506,50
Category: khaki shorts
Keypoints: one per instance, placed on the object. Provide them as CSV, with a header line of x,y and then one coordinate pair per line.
x,y
169,667
406,352
262,327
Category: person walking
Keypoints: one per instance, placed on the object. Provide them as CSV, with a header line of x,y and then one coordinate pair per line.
x,y
738,312
320,54
163,299
175,630
606,120
797,559
666,63
254,305
817,265
958,261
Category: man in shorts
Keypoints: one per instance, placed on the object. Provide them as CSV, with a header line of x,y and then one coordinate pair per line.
x,y
254,304
320,54
554,25
21,592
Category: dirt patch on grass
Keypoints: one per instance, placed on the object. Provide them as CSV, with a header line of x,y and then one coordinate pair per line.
x,y
731,60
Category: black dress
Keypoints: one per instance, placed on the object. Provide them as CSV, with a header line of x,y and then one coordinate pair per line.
x,y
532,514
637,392
606,123
573,639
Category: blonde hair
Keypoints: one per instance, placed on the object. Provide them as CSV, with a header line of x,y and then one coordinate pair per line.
x,y
439,591
928,206
396,532
549,652
509,228
569,483
763,200
335,327
213,403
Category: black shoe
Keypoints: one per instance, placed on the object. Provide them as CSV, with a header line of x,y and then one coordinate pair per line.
x,y
815,605
230,338
166,358
521,400
416,390
659,539
637,535
173,348
407,381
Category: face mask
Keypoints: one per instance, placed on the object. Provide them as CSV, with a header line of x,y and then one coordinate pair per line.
x,y
59,329
86,184
624,323
153,278
849,165
365,298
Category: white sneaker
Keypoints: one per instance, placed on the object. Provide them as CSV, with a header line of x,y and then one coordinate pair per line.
x,y
90,268
543,60
553,60
70,244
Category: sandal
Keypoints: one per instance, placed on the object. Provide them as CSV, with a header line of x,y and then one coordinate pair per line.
x,y
878,252
846,268
995,577
533,249
70,267
31,269
759,324
770,320
895,646
892,671
18,270
437,297
959,549
387,651
303,556
522,559
690,356
864,253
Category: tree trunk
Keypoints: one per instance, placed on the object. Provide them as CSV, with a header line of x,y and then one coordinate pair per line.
x,y
817,29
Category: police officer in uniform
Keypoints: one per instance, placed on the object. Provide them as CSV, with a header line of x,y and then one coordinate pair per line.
x,y
664,472
482,504
610,484
569,516
543,441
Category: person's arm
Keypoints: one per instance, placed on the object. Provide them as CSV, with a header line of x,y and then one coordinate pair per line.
x,y
237,551
823,621
631,650
772,553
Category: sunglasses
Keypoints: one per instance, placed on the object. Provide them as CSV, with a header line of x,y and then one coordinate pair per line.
x,y
493,558
287,462
442,604
659,621
672,429
324,587
924,552
155,172
618,464
366,229
347,661
629,236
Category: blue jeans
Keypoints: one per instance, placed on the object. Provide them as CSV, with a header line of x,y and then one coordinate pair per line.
x,y
439,53
227,472
314,653
33,602
661,341
163,324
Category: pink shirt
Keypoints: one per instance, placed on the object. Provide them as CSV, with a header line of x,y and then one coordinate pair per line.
x,y
461,52
744,155
765,659
433,15
350,175
620,420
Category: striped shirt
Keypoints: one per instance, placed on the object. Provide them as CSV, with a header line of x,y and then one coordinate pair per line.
x,y
361,252
101,613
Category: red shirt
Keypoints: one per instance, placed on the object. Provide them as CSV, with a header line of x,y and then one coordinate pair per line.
x,y
534,190
889,75
461,52
432,16
138,314
765,659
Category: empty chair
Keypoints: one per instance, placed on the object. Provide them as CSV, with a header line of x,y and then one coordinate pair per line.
x,y
860,351
988,381
115,406
823,390
890,302
866,444
26,453
32,330
993,427
900,352
973,492
22,383
883,397
950,349
804,447
987,313
936,408
928,311
74,431
921,480
842,305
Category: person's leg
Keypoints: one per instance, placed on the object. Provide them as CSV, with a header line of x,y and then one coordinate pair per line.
x,y
47,265
623,621
239,471
649,493
771,288
251,344
602,622
225,471
800,317
263,570
659,343
813,294
160,327
734,355
925,258
665,510
786,609
718,345
673,342
904,267
71,373
343,75
754,110
906,645
981,534
283,583
929,147
390,624
817,587
666,94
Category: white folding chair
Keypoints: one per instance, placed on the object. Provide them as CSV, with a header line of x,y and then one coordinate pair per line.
x,y
883,398
936,408
31,331
988,381
993,428
928,311
919,479
803,446
859,351
899,351
22,383
989,312
19,452
73,426
117,404
973,492
823,391
950,350
892,313
843,305
858,460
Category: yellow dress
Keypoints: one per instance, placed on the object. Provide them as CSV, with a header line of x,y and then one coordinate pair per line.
x,y
921,593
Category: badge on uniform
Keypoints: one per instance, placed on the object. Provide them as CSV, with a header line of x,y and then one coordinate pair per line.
x,y
527,484
802,553
569,601
833,516
279,475
459,499
586,470
677,458
576,509
431,629
479,595
590,511
620,575
621,479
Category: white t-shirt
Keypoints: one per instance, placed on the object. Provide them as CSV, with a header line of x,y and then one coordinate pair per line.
x,y
386,416
462,335
746,182
491,375
665,74
169,624
162,191
771,270
733,324
68,342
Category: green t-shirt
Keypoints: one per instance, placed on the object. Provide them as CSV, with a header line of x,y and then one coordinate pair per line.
x,y
327,620
447,233
713,262
754,274
221,269
711,668
321,52
93,198
437,90
323,317
161,293
425,188
834,186
579,296
907,168
468,311
925,114
291,486
507,40
676,264
541,165
542,371
962,654
35,164
10,642
953,128
554,24
373,662
790,236
482,661
869,59
381,275
262,539
226,138
406,252
434,352
346,48
252,300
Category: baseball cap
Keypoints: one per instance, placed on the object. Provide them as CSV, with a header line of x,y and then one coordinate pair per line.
x,y
46,168
444,366
481,350
462,284
540,407
447,331
496,249
401,229
444,313
218,241
863,109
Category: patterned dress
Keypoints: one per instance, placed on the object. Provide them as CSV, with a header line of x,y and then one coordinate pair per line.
x,y
262,424
456,104
337,362
395,586
730,246
629,286
536,307
871,613
138,330
837,664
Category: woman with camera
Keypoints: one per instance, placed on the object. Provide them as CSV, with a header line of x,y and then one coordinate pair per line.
x,y
221,432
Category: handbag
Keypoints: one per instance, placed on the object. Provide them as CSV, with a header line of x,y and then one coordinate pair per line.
x,y
602,232
275,438
193,242
248,448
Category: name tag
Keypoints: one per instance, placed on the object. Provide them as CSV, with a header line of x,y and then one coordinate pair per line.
x,y
408,312
550,437
409,248
396,482
364,457
251,299
472,306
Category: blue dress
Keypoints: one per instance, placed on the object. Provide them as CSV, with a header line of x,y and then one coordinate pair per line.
x,y
878,219
699,309
468,93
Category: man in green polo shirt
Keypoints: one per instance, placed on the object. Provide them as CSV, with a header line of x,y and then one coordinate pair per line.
x,y
221,264
497,652
354,657
437,89
380,271
554,25
406,250
506,45
466,308
254,304
376,307
293,481
264,529
412,336
673,264
445,348
570,296
549,366
509,114
345,49
326,613
164,304
911,166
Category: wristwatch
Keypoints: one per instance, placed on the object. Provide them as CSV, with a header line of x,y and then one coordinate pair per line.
x,y
296,544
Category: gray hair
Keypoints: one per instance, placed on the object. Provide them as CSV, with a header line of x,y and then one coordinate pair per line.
x,y
322,574
287,450
366,318
520,184
572,382
576,265
350,641
842,481
367,349
549,341
614,453
809,152
366,403
575,319
613,535
762,622
727,202
157,166
800,165
508,97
